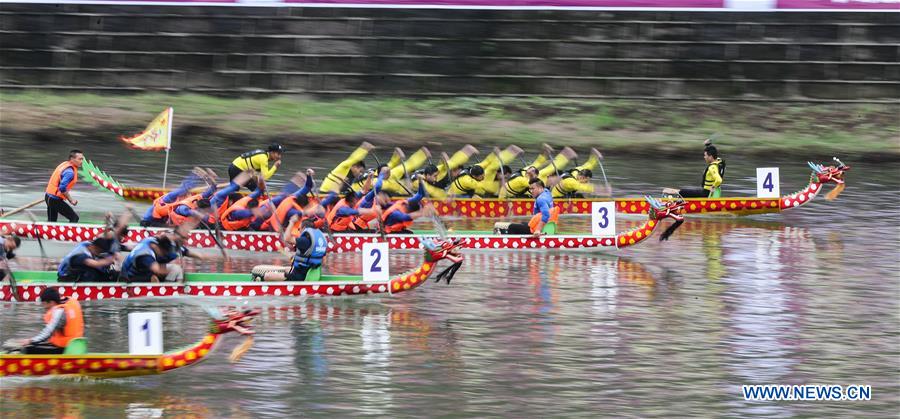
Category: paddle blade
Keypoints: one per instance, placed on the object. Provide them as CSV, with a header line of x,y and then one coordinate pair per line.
x,y
831,196
240,350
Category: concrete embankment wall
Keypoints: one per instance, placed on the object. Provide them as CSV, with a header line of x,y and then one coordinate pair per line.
x,y
344,51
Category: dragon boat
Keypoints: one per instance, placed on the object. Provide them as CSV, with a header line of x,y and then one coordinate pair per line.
x,y
76,361
29,284
495,207
270,242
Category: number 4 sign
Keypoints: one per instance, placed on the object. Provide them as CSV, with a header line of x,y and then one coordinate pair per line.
x,y
603,219
145,333
375,262
767,182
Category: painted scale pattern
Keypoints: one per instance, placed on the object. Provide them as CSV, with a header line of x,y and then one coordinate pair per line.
x,y
268,241
105,365
31,292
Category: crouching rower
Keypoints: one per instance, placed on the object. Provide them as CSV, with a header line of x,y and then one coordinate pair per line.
x,y
63,320
89,262
401,215
545,217
310,246
150,260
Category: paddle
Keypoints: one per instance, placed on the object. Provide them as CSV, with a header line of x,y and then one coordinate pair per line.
x,y
13,286
324,219
22,208
502,179
446,160
603,171
37,235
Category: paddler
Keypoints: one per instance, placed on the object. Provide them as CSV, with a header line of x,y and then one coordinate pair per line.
x,y
243,212
150,260
401,214
576,183
545,214
346,173
10,243
541,168
158,213
59,188
713,177
438,177
480,179
310,247
63,320
292,204
265,162
89,262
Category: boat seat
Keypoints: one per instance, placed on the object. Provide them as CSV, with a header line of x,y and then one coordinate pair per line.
x,y
314,274
550,228
77,346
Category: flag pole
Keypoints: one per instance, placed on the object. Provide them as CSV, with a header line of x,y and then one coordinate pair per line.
x,y
168,146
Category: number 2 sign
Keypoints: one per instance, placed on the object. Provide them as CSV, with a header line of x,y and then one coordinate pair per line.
x,y
603,219
767,182
145,333
375,262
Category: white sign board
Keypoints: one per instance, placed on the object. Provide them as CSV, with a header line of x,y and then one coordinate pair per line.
x,y
767,185
145,333
375,262
603,219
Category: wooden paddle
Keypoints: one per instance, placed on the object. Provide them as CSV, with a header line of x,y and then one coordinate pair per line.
x,y
22,208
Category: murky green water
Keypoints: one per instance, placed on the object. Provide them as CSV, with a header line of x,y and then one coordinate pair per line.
x,y
811,296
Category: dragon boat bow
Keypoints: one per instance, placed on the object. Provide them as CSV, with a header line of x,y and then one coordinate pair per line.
x,y
112,365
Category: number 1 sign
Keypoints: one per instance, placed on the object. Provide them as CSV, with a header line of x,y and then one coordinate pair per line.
x,y
603,219
767,182
375,262
145,333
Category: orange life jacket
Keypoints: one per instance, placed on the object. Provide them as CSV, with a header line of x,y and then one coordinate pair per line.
x,y
536,219
393,228
344,223
280,214
74,327
53,184
239,224
178,219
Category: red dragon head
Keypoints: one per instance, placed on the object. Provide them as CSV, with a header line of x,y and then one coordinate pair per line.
x,y
830,174
235,321
670,209
437,249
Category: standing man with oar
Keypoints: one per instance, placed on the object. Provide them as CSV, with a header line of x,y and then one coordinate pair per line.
x,y
59,188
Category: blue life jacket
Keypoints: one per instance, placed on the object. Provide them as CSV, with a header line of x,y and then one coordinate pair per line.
x,y
312,256
66,263
129,268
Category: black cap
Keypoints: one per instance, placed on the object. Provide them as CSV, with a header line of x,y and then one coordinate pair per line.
x,y
430,169
10,255
587,173
276,147
50,294
105,245
476,171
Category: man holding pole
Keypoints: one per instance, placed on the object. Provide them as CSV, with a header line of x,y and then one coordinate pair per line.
x,y
59,188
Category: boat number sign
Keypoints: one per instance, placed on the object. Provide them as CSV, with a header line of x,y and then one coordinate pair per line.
x,y
603,219
375,262
767,185
145,333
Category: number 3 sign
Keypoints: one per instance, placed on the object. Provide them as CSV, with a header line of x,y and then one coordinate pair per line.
x,y
603,219
375,262
767,182
145,333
